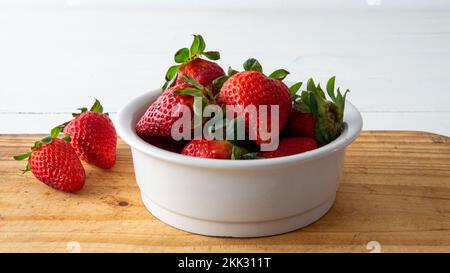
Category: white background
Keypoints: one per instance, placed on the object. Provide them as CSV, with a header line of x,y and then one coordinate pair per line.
x,y
56,56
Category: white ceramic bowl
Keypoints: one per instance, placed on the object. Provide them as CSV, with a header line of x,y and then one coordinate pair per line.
x,y
237,198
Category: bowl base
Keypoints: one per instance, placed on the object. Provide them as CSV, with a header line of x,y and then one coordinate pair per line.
x,y
238,229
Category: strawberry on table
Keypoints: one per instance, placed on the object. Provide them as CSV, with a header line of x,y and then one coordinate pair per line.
x,y
93,136
252,87
190,64
290,146
54,162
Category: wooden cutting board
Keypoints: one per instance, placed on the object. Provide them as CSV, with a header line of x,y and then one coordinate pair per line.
x,y
395,196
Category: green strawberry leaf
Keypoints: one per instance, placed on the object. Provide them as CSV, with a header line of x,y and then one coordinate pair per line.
x,y
54,133
189,91
218,83
305,98
67,138
294,89
301,107
212,55
231,71
310,86
198,45
340,100
330,88
252,65
96,107
22,156
182,55
279,74
172,72
170,83
320,91
47,140
37,145
236,153
313,107
192,81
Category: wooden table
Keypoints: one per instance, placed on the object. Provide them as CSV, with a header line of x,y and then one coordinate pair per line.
x,y
395,194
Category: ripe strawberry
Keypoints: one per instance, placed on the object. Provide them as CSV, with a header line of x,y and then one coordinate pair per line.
x,y
190,64
290,146
218,149
93,136
167,144
254,88
157,120
54,162
300,124
203,71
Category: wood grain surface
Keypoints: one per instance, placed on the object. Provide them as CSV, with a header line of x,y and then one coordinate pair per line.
x,y
395,196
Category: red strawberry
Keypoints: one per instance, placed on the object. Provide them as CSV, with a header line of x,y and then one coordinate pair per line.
x,y
218,149
290,146
54,162
167,144
190,64
203,71
93,136
300,124
157,120
254,88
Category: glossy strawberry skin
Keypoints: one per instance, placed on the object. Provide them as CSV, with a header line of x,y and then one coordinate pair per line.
x,y
254,88
58,166
203,71
157,120
93,138
300,125
290,146
217,149
167,144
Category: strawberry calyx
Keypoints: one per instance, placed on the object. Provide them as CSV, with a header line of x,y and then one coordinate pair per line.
x,y
96,108
54,133
250,64
185,55
197,90
218,83
329,114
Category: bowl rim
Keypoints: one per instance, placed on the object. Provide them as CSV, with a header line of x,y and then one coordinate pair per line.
x,y
125,128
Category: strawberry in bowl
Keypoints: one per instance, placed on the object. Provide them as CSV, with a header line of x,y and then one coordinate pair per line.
x,y
260,157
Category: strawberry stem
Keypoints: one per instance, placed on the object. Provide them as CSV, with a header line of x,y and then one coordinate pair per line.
x,y
186,55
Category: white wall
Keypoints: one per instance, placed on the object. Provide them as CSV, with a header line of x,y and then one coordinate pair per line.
x,y
56,56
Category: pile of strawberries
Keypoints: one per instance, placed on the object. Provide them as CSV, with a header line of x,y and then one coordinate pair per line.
x,y
307,119
89,136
